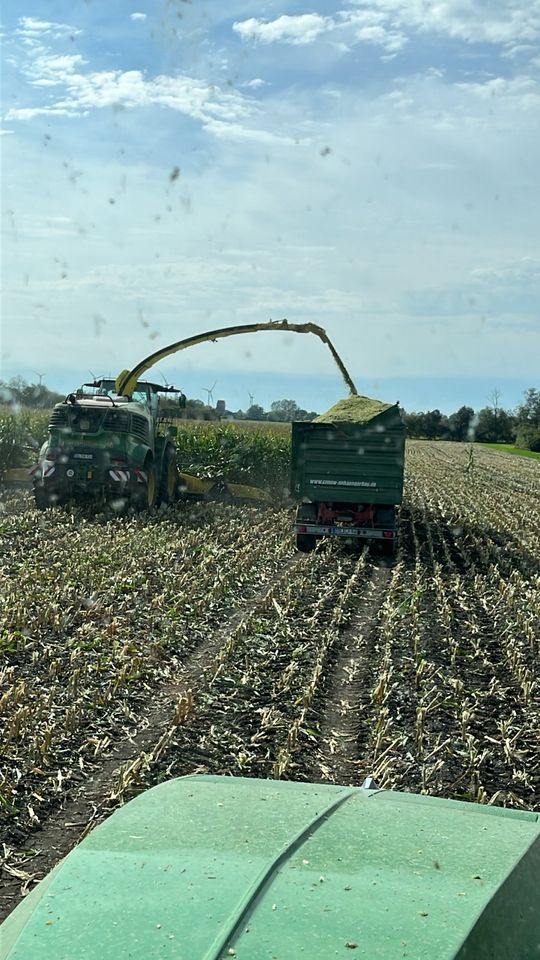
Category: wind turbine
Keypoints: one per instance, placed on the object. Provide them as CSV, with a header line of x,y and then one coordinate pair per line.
x,y
40,375
210,394
251,398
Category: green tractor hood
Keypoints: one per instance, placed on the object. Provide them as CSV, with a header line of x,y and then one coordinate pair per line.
x,y
202,868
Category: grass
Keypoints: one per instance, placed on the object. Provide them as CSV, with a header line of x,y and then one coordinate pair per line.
x,y
509,448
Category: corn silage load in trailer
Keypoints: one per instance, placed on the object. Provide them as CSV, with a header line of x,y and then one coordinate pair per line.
x,y
355,409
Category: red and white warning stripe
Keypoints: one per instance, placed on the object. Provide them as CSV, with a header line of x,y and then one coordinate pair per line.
x,y
121,476
44,469
142,477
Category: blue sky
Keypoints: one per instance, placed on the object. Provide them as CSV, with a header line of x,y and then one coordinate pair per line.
x,y
371,166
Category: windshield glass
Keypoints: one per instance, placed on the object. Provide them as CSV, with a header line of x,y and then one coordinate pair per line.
x,y
301,547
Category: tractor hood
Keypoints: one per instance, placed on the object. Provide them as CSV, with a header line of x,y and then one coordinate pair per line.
x,y
202,868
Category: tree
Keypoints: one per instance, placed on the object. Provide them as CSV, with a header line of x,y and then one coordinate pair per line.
x,y
495,397
528,421
255,412
302,414
460,423
494,426
433,424
36,395
284,410
528,412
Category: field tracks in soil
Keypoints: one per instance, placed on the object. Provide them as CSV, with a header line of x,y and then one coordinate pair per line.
x,y
199,641
128,760
343,715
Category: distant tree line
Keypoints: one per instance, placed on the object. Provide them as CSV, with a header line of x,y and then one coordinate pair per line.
x,y
492,424
18,392
281,411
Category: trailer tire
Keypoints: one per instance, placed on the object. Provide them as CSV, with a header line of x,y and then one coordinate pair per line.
x,y
389,547
305,542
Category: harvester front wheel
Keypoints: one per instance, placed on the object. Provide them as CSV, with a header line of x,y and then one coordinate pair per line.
x,y
151,487
44,498
41,498
168,480
145,496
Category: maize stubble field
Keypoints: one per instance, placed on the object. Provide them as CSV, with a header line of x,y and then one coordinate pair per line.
x,y
197,639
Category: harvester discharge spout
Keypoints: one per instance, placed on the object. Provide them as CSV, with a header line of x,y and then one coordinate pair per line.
x,y
127,380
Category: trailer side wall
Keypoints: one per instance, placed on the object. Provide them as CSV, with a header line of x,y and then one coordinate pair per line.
x,y
348,461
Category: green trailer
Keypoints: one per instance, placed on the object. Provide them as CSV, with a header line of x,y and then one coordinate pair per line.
x,y
347,473
207,868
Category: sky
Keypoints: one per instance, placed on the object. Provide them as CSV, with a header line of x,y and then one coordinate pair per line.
x,y
368,165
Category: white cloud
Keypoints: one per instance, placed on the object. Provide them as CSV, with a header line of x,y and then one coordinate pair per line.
x,y
137,16
50,70
518,49
297,30
32,29
390,23
223,113
84,91
520,93
343,31
523,270
235,131
480,21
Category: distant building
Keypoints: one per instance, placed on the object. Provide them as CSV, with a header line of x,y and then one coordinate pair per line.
x,y
220,408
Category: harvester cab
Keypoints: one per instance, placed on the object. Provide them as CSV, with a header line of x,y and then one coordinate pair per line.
x,y
104,446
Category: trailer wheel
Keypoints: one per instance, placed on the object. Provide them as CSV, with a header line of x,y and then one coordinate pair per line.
x,y
168,480
389,547
305,542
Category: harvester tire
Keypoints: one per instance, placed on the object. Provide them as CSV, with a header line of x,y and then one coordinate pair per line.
x,y
146,494
45,498
168,480
41,498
